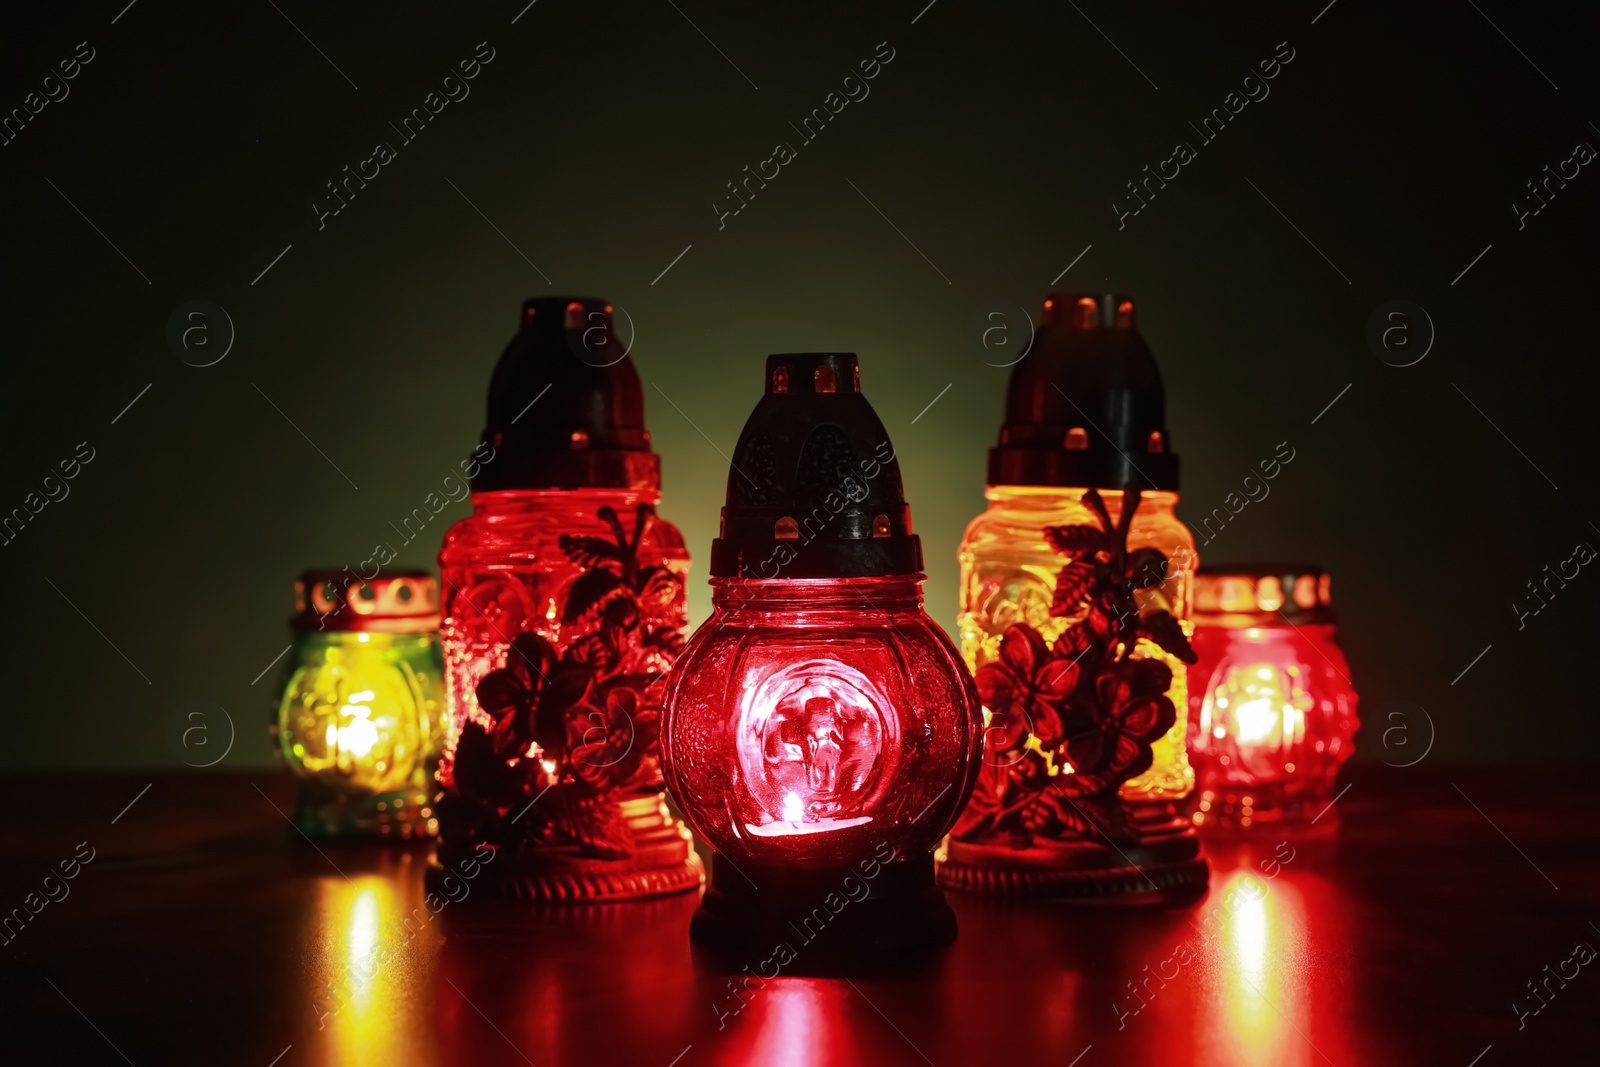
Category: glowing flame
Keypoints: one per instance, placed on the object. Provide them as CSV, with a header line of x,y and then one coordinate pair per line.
x,y
355,739
1257,718
793,810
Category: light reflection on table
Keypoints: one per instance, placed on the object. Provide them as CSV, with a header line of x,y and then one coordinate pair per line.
x,y
367,936
1262,980
208,933
1264,1007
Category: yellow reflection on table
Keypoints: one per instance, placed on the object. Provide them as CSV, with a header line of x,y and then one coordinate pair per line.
x,y
362,976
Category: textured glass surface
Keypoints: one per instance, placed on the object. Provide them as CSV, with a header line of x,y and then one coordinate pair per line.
x,y
1273,718
809,721
503,572
1008,574
360,723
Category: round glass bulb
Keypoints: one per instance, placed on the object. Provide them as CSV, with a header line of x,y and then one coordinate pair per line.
x,y
810,721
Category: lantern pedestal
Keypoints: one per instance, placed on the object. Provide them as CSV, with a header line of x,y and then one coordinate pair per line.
x,y
662,861
1163,867
1304,809
824,913
326,813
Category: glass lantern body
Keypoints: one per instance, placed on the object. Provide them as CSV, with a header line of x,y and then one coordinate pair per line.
x,y
811,722
1273,717
504,573
1008,575
360,724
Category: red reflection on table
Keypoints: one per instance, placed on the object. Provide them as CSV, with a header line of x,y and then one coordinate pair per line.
x,y
551,984
794,1021
1272,986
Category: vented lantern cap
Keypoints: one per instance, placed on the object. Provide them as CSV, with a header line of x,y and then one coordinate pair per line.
x,y
566,410
814,490
1085,407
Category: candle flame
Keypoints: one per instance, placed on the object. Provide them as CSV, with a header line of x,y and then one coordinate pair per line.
x,y
356,739
1258,719
793,810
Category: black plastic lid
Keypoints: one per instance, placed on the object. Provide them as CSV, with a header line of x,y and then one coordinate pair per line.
x,y
566,410
815,491
1085,406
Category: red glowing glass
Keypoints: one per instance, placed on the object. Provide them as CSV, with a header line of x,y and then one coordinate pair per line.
x,y
1272,707
819,730
811,719
505,574
563,607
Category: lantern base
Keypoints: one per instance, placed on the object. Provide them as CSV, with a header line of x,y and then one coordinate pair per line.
x,y
323,813
1163,867
662,861
1268,807
824,915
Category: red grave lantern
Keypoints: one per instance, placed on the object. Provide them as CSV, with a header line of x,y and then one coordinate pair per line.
x,y
819,730
1272,709
563,605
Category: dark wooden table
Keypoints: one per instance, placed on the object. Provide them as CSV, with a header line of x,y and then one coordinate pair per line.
x,y
199,932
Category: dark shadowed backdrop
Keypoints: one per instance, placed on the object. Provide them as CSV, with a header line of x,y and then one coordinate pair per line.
x,y
186,159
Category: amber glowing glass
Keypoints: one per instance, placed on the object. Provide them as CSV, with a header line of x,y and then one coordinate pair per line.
x,y
1008,573
1273,711
809,720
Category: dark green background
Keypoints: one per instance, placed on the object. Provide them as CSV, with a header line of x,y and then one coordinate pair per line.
x,y
598,139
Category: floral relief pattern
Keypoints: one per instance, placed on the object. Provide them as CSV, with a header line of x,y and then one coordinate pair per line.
x,y
1070,722
576,731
